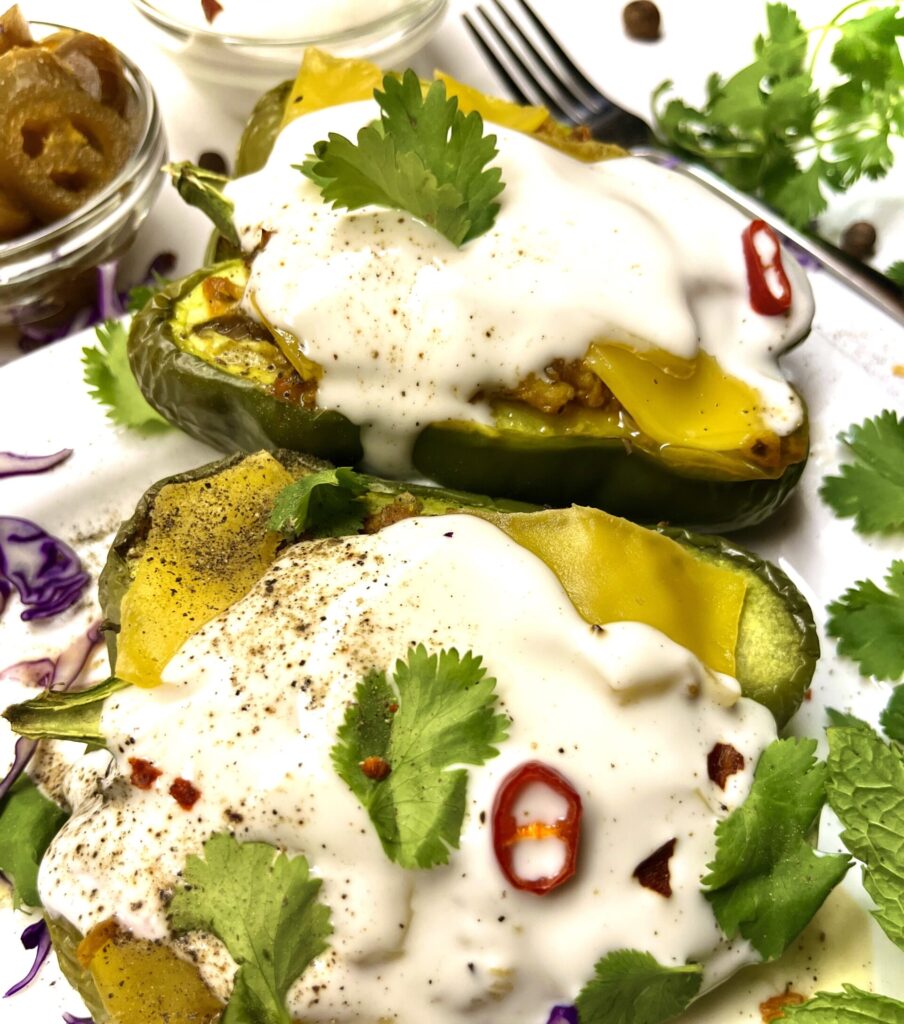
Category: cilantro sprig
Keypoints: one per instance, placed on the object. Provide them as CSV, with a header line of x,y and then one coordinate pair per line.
x,y
770,130
322,504
438,711
264,907
631,987
111,382
423,156
871,488
767,881
868,623
865,787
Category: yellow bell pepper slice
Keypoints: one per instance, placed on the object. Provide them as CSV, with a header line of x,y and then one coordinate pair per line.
x,y
492,108
175,587
615,571
703,408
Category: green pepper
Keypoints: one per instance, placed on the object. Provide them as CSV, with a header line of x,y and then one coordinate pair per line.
x,y
227,392
776,645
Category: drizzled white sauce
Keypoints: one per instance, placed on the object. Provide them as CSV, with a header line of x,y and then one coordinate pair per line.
x,y
250,709
280,19
409,329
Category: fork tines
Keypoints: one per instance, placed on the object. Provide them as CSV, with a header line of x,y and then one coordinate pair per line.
x,y
532,63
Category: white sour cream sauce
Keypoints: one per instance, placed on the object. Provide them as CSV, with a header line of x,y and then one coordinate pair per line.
x,y
278,19
250,708
408,328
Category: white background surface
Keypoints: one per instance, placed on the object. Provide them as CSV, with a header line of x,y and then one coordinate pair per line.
x,y
845,371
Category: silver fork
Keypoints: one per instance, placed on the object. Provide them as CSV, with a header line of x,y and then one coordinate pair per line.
x,y
536,69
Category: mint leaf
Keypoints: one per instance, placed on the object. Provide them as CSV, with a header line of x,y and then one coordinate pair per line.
x,y
767,881
631,987
28,822
424,156
868,623
110,381
892,717
866,790
323,504
64,715
263,907
853,1006
871,488
437,712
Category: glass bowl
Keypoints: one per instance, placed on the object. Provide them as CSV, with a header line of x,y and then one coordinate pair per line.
x,y
241,66
50,274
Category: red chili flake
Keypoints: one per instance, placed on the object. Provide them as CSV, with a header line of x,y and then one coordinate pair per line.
x,y
375,768
211,9
653,873
772,1008
144,774
184,793
722,762
393,708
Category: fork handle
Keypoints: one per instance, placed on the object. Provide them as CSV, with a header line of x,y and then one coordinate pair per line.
x,y
870,283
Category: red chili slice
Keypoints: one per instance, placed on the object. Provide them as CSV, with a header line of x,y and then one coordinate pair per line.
x,y
507,832
767,282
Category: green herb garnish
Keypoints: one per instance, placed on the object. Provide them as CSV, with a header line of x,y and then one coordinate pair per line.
x,y
631,987
853,1006
263,907
28,822
399,741
871,488
423,156
111,382
865,786
771,131
323,504
892,719
767,881
868,623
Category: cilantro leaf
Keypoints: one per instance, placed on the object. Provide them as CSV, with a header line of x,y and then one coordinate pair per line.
x,y
323,504
437,712
896,273
853,1006
767,881
631,987
871,488
770,130
264,908
424,156
28,822
892,718
843,719
110,381
868,623
865,785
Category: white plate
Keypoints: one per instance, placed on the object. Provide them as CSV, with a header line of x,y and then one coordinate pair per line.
x,y
845,370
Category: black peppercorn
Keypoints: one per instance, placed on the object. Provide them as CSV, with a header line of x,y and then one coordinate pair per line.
x,y
642,20
213,161
859,239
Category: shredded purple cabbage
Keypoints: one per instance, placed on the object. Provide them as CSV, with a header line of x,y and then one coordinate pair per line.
x,y
37,672
563,1015
12,464
51,675
70,1018
36,937
46,572
109,304
21,756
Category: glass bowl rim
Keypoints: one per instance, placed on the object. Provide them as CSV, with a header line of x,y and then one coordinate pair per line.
x,y
389,21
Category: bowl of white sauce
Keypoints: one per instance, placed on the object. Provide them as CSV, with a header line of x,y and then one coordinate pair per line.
x,y
244,47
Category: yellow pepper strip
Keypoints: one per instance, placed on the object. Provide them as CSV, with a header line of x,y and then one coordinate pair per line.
x,y
706,409
177,587
492,108
615,571
325,81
